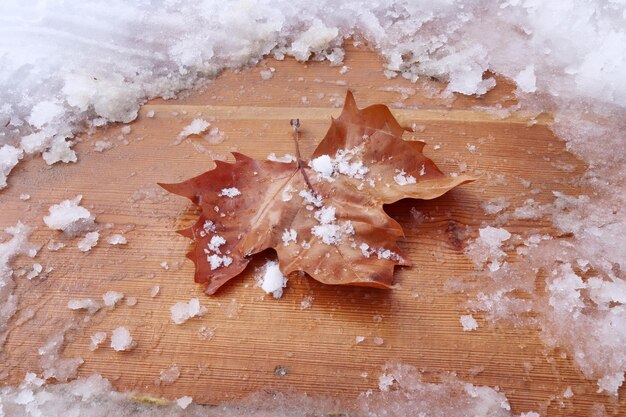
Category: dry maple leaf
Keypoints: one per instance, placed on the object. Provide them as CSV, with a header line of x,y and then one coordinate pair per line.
x,y
325,218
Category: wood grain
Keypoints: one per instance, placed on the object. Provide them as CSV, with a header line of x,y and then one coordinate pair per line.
x,y
418,321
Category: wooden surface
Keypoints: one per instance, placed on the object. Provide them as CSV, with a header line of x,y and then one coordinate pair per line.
x,y
418,321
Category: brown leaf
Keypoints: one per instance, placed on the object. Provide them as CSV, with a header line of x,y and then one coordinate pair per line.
x,y
338,234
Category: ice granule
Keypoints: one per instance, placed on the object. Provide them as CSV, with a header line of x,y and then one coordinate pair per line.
x,y
231,192
266,74
495,205
121,340
111,298
89,241
70,217
96,340
154,291
468,322
568,393
183,311
102,145
323,166
84,304
169,375
215,243
289,235
286,159
358,339
17,245
273,281
9,157
402,178
385,381
488,247
611,383
196,127
116,239
306,302
183,402
526,79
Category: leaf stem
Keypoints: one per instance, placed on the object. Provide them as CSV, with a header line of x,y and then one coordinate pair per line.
x,y
295,123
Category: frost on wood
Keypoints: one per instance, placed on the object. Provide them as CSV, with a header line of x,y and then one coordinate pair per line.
x,y
254,205
182,311
70,217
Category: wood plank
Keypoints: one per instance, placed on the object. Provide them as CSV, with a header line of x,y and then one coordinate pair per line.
x,y
418,321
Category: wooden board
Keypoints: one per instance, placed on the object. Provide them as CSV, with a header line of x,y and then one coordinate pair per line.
x,y
418,321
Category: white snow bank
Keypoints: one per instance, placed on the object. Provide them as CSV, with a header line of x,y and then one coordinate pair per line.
x,y
57,71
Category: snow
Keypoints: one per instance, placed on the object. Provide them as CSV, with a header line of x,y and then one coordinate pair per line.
x,y
285,159
401,178
183,311
568,393
60,77
196,127
96,340
229,192
9,157
183,402
488,247
611,383
84,304
111,298
526,80
323,165
89,241
266,74
216,261
289,235
273,281
102,145
121,340
406,394
116,239
70,217
468,322
154,291
169,375
327,167
306,302
17,245
215,243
